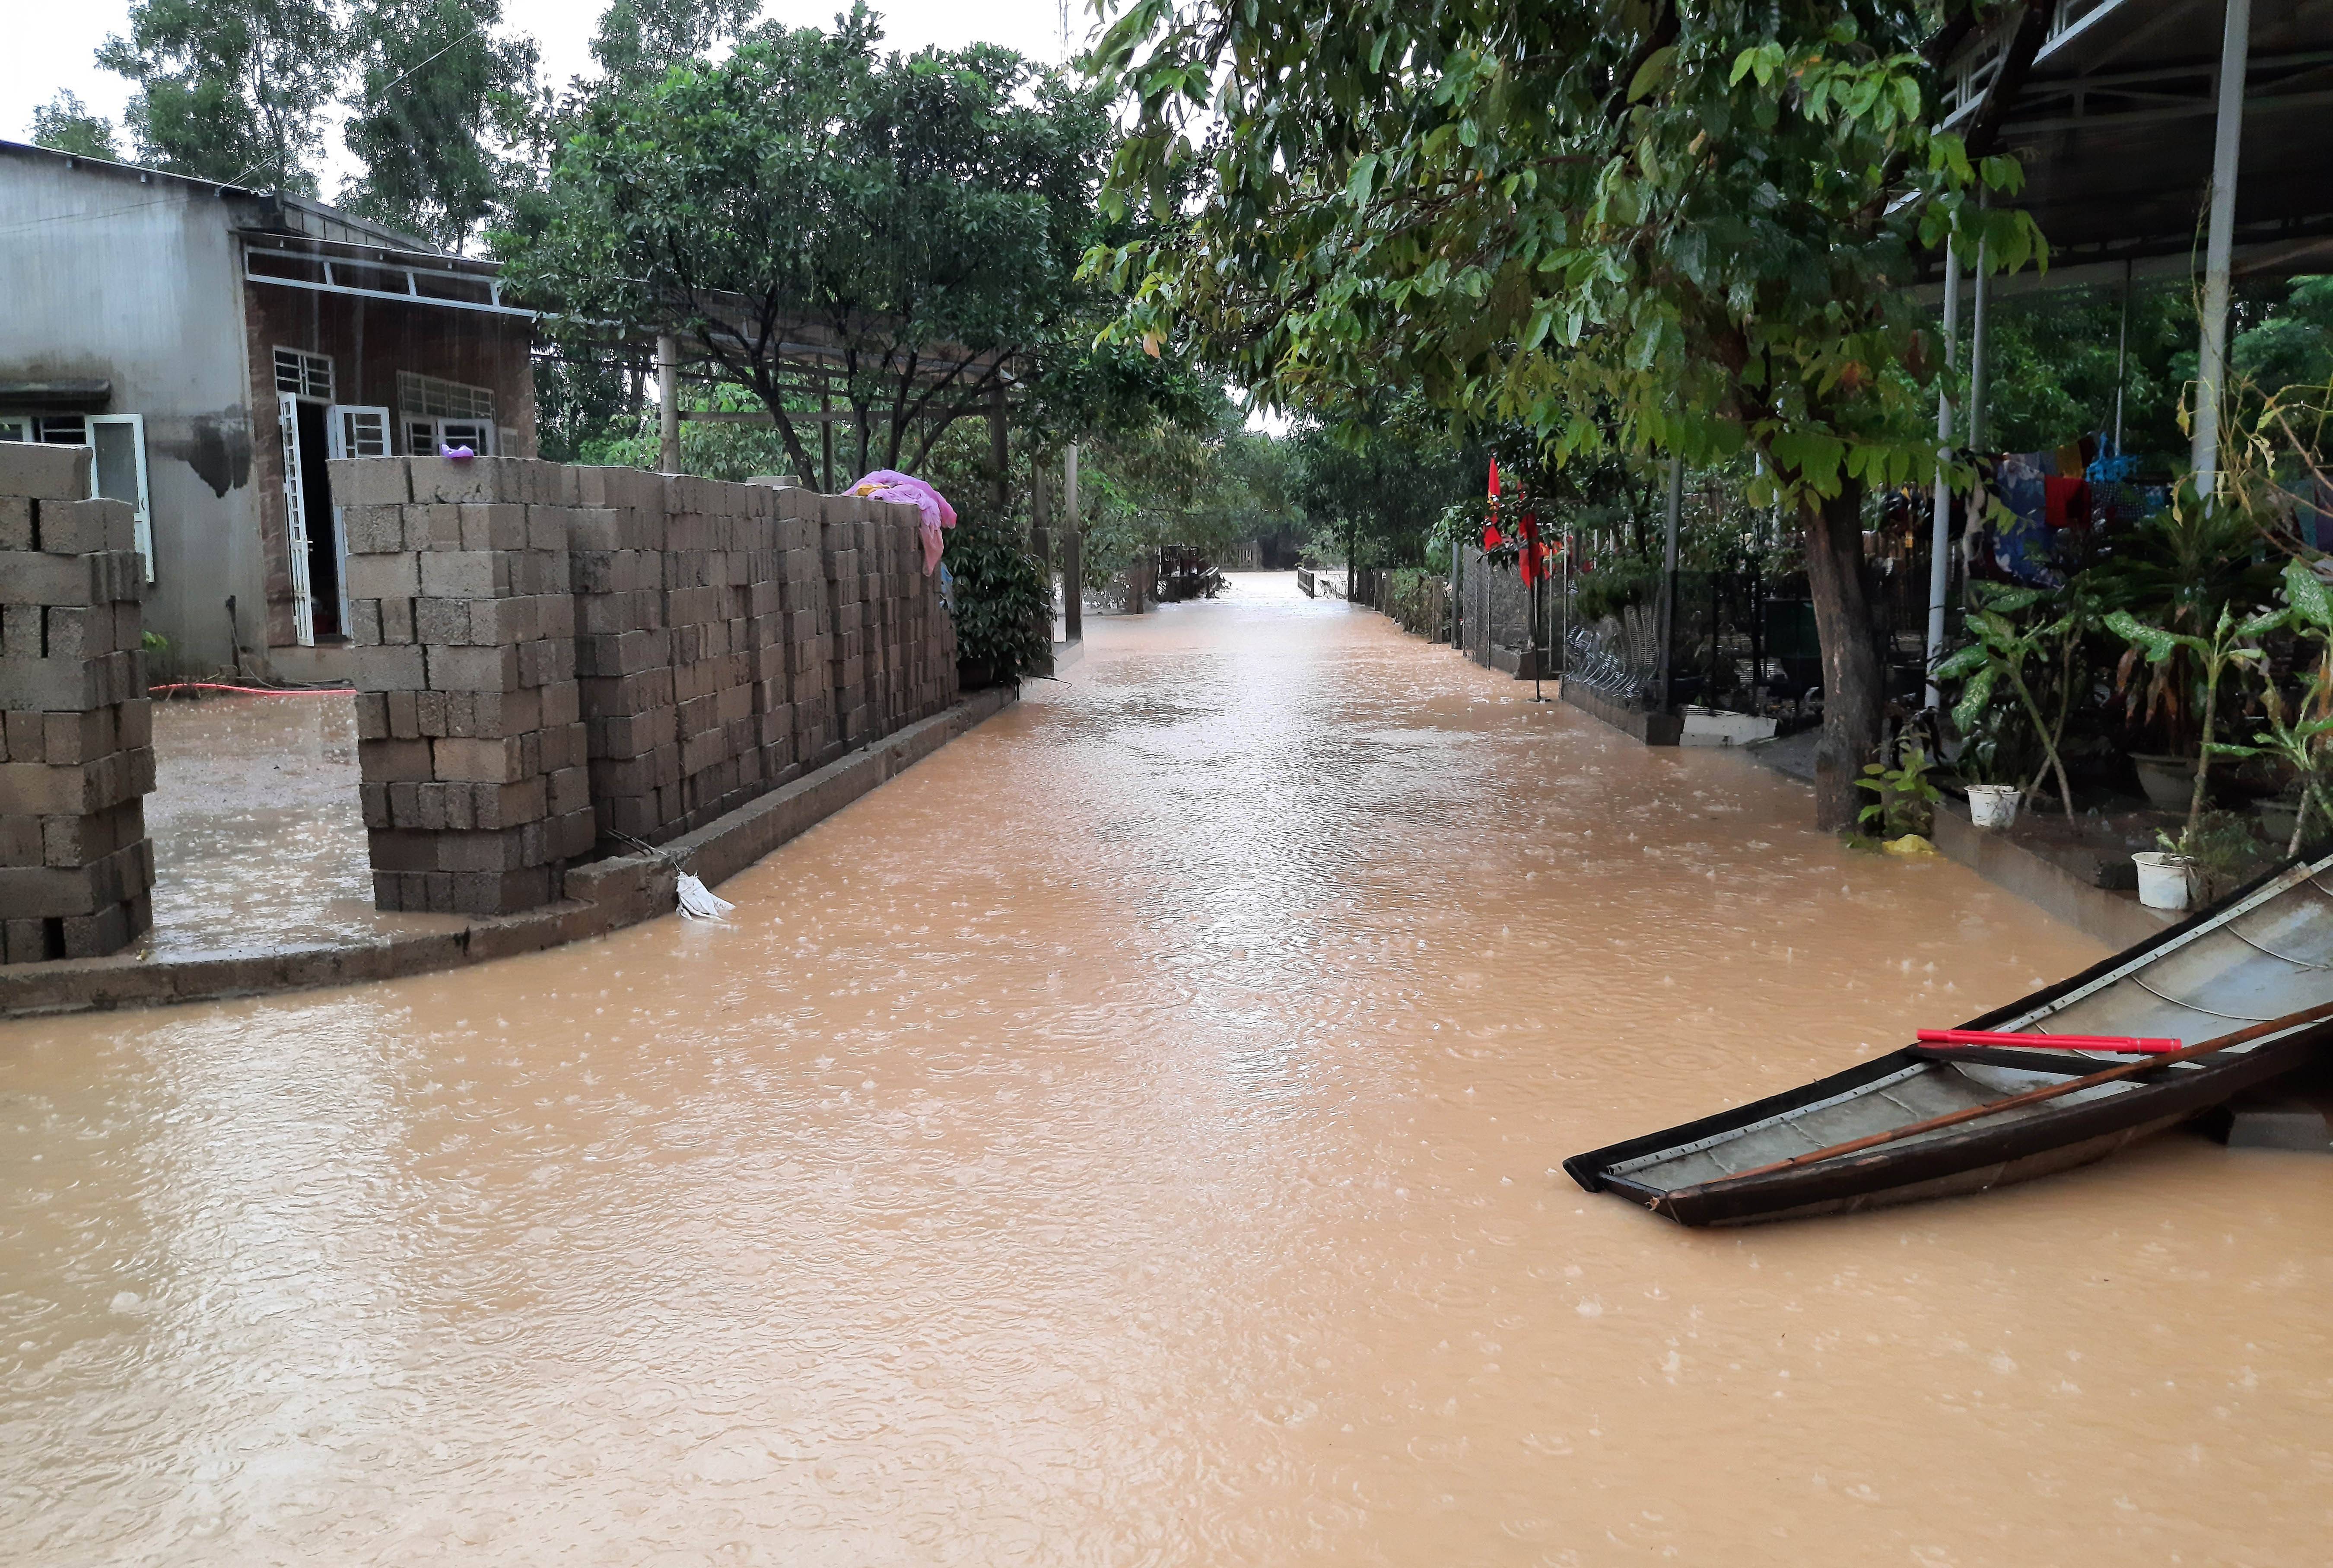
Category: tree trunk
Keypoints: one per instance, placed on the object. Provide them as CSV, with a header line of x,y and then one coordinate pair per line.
x,y
1853,681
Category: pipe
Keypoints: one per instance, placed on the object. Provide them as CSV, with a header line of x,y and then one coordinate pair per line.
x,y
1940,529
1669,582
2227,144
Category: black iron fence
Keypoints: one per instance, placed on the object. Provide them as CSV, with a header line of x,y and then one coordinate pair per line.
x,y
1741,640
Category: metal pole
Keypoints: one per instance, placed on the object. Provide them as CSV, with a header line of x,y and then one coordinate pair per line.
x,y
826,426
1940,529
999,453
1977,366
1073,563
2227,142
668,404
2122,356
1669,584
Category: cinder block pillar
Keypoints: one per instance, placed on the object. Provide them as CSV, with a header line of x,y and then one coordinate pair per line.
x,y
808,636
623,649
846,542
470,737
76,727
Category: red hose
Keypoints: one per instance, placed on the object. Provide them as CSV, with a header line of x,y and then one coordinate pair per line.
x,y
250,690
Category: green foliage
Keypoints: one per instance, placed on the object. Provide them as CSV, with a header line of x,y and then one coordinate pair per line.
x,y
2232,645
808,183
1904,798
65,124
1373,486
2291,346
2007,630
2219,849
233,90
1002,603
1614,586
437,97
1682,227
1203,484
645,38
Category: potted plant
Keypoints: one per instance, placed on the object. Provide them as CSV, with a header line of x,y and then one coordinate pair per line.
x,y
2001,650
2233,645
1904,802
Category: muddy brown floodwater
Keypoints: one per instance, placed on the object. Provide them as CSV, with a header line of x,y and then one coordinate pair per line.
x,y
1131,1137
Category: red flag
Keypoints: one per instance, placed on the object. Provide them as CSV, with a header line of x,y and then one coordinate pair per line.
x,y
1491,540
1495,479
1530,561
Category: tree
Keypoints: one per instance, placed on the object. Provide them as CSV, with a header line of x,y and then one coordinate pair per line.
x,y
645,38
65,124
923,215
229,90
437,93
1379,482
1677,229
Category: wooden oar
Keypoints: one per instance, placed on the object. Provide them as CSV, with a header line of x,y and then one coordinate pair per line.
x,y
2031,1097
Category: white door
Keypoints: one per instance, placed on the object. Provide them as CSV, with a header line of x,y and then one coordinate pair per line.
x,y
117,472
356,431
295,521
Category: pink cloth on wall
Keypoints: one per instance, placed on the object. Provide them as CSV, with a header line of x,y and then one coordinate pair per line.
x,y
891,485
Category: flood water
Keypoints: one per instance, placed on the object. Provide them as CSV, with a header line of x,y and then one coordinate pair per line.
x,y
1131,1137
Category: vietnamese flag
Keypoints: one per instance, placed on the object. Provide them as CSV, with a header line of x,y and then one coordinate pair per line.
x,y
1491,540
1495,479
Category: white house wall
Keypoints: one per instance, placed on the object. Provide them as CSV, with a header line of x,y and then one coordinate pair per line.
x,y
106,275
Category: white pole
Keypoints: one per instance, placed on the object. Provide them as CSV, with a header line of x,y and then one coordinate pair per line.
x,y
2227,142
1940,542
668,400
1977,366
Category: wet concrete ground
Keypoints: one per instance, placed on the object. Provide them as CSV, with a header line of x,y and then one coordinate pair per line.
x,y
1130,1137
259,840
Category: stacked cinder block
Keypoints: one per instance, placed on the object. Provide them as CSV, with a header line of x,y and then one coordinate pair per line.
x,y
76,733
706,578
470,739
623,649
806,633
848,542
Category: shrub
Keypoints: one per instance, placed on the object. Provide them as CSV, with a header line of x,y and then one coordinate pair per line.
x,y
1002,602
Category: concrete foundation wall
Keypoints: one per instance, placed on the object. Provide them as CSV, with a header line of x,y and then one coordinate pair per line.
x,y
76,730
552,658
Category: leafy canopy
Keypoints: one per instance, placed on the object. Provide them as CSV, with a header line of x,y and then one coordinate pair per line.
x,y
65,124
1679,227
921,212
437,98
230,89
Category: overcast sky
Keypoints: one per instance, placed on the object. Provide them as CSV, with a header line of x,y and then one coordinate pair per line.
x,y
52,46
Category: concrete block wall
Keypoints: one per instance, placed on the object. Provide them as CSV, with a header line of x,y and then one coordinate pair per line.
x,y
469,735
76,727
709,642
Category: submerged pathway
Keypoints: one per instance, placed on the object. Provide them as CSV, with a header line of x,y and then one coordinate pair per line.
x,y
1130,1137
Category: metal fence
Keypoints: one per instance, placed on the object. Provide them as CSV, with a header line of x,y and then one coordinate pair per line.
x,y
1739,640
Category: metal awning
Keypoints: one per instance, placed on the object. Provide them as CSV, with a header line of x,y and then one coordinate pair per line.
x,y
2109,105
376,273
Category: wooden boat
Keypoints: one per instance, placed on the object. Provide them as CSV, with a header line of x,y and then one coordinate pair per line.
x,y
2262,954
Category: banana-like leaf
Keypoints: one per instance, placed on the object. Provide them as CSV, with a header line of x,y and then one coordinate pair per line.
x,y
2304,590
1975,697
1960,661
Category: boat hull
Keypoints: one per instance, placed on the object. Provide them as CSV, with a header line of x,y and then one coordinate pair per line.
x,y
1674,1172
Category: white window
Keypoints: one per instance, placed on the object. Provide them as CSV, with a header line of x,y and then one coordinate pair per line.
x,y
116,469
304,375
434,413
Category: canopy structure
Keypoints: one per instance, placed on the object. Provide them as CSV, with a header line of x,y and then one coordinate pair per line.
x,y
2113,106
2152,133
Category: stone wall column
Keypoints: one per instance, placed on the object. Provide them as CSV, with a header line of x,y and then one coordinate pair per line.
x,y
76,727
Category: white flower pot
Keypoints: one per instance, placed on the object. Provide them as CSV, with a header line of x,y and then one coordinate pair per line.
x,y
1992,805
2162,881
